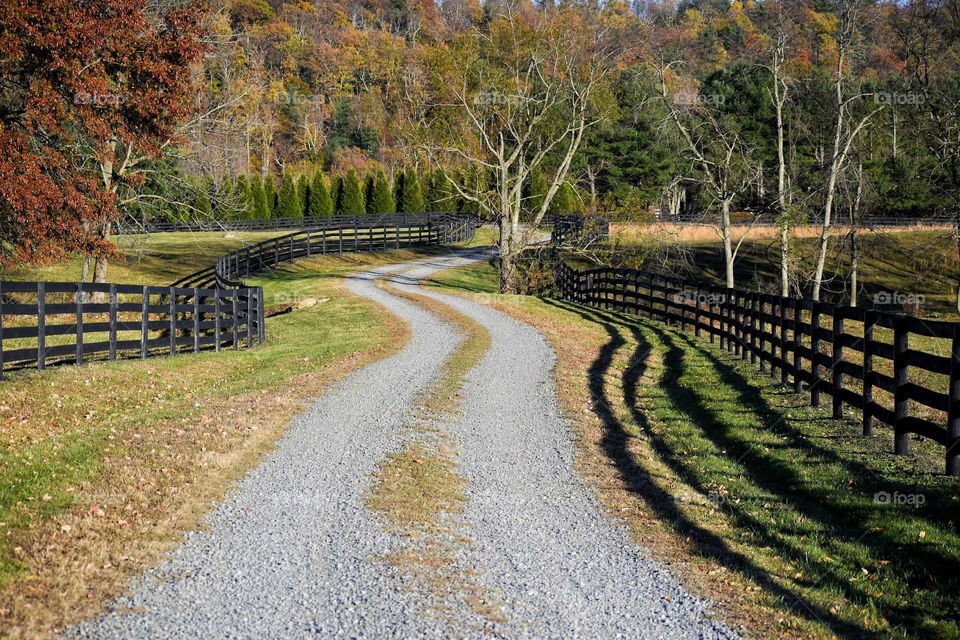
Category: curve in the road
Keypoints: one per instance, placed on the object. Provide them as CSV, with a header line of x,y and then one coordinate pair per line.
x,y
293,551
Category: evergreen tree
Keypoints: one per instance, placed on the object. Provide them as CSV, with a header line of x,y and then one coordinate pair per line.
x,y
351,199
243,198
368,185
288,201
565,200
534,192
261,205
398,181
319,202
412,196
336,192
269,194
223,201
303,195
381,199
202,209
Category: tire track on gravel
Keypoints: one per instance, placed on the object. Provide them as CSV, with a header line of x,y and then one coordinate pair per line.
x,y
288,553
292,552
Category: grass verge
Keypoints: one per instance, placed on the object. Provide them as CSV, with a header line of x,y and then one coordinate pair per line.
x,y
419,493
787,519
103,467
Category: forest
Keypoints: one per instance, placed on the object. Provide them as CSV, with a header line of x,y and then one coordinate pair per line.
x,y
805,111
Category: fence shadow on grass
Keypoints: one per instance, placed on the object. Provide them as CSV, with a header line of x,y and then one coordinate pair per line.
x,y
768,472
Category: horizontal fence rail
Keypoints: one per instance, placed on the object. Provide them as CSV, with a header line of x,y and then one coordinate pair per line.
x,y
43,323
900,371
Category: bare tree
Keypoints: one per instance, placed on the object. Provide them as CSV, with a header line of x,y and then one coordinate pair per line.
x,y
523,89
716,148
846,126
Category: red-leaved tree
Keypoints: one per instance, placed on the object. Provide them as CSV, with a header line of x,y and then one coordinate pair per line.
x,y
86,88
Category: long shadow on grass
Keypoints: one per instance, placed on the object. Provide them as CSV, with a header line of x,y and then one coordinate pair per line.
x,y
615,443
842,524
780,478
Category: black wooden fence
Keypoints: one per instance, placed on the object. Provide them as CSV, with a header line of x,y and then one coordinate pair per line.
x,y
52,322
862,358
42,323
359,233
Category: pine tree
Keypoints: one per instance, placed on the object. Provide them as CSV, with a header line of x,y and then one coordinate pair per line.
x,y
398,181
381,199
351,199
565,200
336,192
202,209
303,195
258,196
288,201
223,197
368,185
269,194
412,201
319,201
534,192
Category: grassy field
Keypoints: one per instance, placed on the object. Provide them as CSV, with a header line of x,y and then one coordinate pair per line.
x,y
795,524
918,262
103,467
154,259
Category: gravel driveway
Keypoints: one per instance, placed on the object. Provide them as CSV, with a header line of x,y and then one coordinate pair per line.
x,y
292,552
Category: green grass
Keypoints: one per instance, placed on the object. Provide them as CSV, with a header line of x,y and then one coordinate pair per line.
x,y
761,484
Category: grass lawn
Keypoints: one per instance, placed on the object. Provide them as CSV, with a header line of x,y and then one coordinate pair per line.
x,y
103,467
758,501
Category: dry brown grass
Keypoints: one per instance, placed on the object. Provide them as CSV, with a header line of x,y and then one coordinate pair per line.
x,y
419,493
700,233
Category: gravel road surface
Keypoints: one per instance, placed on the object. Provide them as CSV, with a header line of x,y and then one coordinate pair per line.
x,y
293,551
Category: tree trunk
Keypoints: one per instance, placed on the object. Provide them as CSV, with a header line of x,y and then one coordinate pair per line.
x,y
727,241
508,276
854,266
784,259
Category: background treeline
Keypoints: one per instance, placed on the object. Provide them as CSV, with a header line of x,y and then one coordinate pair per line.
x,y
263,196
347,85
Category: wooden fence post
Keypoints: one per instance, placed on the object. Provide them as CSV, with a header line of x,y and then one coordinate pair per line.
x,y
696,312
901,377
217,297
144,321
784,342
761,331
196,319
173,321
249,318
797,344
113,322
235,325
869,320
815,355
309,250
953,414
836,374
41,325
79,303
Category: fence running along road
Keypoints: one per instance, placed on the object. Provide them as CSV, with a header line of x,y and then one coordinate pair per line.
x,y
43,323
819,347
